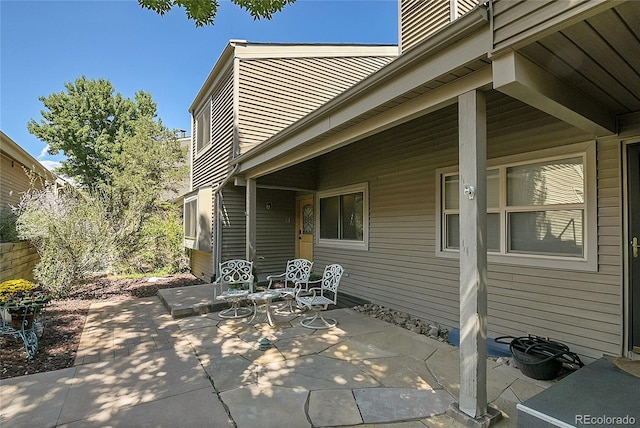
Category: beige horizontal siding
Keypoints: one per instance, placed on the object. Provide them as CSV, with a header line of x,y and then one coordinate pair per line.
x,y
211,165
465,6
233,223
274,93
275,231
421,18
202,265
275,228
14,182
401,269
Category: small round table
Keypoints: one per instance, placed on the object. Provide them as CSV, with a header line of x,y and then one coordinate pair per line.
x,y
263,298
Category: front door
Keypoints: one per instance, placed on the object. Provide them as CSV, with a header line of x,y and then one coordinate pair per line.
x,y
633,180
304,226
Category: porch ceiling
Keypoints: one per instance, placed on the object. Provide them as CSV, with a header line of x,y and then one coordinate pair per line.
x,y
597,57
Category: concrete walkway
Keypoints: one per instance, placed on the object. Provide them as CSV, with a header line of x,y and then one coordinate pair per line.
x,y
138,366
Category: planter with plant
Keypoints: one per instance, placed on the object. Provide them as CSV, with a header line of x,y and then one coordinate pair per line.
x,y
21,301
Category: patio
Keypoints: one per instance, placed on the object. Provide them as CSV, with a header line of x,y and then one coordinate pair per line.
x,y
140,366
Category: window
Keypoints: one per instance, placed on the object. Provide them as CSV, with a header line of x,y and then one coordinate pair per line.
x,y
538,210
190,217
197,218
203,127
343,217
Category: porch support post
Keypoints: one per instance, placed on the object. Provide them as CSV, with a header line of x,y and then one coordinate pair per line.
x,y
472,134
250,213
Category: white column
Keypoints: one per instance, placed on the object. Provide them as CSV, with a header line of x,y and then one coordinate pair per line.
x,y
473,253
251,219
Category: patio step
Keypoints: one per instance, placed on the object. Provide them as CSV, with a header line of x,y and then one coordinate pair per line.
x,y
198,299
597,395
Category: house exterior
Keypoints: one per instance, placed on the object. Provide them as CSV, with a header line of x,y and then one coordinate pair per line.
x,y
556,85
254,91
17,259
487,179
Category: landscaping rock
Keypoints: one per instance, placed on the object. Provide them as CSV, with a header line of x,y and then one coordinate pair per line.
x,y
404,320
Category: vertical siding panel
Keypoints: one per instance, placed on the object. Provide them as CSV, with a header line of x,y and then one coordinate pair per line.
x,y
401,269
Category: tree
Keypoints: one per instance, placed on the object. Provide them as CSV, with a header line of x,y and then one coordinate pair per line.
x,y
203,12
71,233
127,162
88,123
145,170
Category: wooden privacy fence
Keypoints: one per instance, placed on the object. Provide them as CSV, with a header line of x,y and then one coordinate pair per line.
x,y
17,260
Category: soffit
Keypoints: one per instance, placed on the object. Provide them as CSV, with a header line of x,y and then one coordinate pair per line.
x,y
597,56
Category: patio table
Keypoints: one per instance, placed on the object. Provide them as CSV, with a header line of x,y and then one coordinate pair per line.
x,y
263,298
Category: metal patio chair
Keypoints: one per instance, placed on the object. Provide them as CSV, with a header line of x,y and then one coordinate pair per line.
x,y
296,272
235,282
319,298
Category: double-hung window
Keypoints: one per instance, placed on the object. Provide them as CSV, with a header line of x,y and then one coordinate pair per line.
x,y
343,218
540,211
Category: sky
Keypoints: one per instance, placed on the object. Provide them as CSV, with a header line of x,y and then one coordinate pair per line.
x,y
44,44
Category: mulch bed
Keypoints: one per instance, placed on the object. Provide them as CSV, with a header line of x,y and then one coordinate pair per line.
x,y
65,320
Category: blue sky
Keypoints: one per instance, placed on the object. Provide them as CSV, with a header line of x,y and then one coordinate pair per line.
x,y
44,44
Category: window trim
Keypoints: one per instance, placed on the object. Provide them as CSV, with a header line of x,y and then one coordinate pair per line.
x,y
190,241
202,112
339,243
589,260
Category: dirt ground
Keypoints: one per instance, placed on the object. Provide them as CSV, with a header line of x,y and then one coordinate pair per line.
x,y
64,321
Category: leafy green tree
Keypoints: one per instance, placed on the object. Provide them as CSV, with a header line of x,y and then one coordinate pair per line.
x,y
203,12
145,170
161,248
88,122
119,219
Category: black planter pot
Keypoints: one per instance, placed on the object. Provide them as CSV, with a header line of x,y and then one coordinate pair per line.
x,y
537,366
540,358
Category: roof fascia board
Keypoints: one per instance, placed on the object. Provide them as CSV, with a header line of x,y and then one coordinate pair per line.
x,y
419,106
263,51
470,38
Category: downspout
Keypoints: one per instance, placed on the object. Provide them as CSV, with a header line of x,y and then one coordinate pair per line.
x,y
218,249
